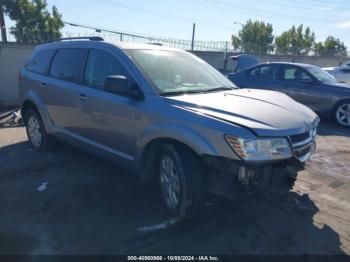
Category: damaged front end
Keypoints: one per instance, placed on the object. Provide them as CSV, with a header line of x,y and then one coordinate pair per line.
x,y
230,178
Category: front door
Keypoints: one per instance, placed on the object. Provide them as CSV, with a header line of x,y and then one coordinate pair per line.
x,y
107,119
297,83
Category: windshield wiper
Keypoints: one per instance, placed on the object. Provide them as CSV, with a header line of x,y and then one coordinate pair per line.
x,y
177,93
221,88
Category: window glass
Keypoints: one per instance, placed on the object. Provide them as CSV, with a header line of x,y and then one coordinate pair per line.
x,y
101,64
295,74
178,72
321,75
254,73
40,62
67,64
268,72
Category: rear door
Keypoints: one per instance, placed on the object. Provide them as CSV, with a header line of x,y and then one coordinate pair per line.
x,y
61,89
262,77
34,76
107,119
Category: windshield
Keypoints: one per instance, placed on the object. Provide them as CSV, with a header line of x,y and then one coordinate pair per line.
x,y
321,75
173,72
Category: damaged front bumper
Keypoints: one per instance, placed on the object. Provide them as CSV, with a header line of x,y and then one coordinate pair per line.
x,y
228,177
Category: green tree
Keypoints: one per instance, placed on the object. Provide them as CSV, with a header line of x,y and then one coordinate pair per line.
x,y
236,42
331,47
295,41
34,23
255,37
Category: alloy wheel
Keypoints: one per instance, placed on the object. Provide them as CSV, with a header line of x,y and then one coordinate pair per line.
x,y
343,114
169,180
34,131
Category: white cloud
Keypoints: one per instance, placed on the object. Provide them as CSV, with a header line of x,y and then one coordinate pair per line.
x,y
344,25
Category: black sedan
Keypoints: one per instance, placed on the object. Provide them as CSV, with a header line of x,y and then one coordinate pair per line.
x,y
307,84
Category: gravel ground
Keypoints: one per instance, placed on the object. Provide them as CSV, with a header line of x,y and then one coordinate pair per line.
x,y
92,207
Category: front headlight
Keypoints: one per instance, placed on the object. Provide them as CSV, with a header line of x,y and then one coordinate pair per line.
x,y
260,149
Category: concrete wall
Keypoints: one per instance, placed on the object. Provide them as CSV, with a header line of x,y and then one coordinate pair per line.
x,y
12,58
216,59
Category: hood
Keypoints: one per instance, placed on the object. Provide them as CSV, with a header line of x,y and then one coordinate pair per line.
x,y
266,113
339,85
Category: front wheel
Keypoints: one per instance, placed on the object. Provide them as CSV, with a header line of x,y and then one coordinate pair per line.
x,y
180,179
342,114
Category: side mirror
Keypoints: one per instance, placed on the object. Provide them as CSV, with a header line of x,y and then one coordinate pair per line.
x,y
121,85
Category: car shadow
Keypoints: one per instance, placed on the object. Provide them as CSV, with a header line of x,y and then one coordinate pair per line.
x,y
327,127
93,207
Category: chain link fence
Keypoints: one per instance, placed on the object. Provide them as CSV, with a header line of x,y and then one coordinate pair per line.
x,y
216,46
213,46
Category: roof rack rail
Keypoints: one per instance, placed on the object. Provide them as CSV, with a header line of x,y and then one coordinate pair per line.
x,y
159,44
91,38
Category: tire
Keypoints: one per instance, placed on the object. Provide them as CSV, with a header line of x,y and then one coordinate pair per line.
x,y
36,132
341,114
186,182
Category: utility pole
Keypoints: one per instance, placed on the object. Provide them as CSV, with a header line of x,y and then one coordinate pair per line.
x,y
193,34
2,26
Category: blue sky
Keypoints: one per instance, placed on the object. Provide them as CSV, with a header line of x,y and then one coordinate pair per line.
x,y
215,18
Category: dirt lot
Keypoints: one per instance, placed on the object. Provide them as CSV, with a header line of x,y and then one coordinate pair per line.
x,y
92,207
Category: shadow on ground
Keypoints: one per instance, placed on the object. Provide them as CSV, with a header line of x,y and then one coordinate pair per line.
x,y
93,207
329,128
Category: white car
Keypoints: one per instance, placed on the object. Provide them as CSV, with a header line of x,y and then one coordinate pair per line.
x,y
342,74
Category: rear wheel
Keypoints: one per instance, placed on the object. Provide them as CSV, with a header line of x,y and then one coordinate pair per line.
x,y
36,131
342,114
180,179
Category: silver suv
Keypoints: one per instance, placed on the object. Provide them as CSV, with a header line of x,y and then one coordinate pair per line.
x,y
166,115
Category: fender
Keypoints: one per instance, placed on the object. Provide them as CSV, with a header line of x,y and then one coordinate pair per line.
x,y
183,134
33,97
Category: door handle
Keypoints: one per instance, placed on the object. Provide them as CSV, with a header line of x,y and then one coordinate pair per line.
x,y
81,97
43,84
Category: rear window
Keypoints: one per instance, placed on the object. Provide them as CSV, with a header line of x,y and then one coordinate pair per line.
x,y
40,62
67,64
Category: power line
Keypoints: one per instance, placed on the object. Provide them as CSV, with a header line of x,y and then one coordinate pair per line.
x,y
167,16
224,6
300,7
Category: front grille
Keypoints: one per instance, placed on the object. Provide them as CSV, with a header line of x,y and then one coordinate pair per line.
x,y
303,145
300,138
301,152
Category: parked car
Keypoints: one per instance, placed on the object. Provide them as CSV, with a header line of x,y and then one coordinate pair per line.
x,y
307,84
165,114
342,74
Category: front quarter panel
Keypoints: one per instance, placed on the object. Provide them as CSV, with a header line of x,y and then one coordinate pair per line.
x,y
158,119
